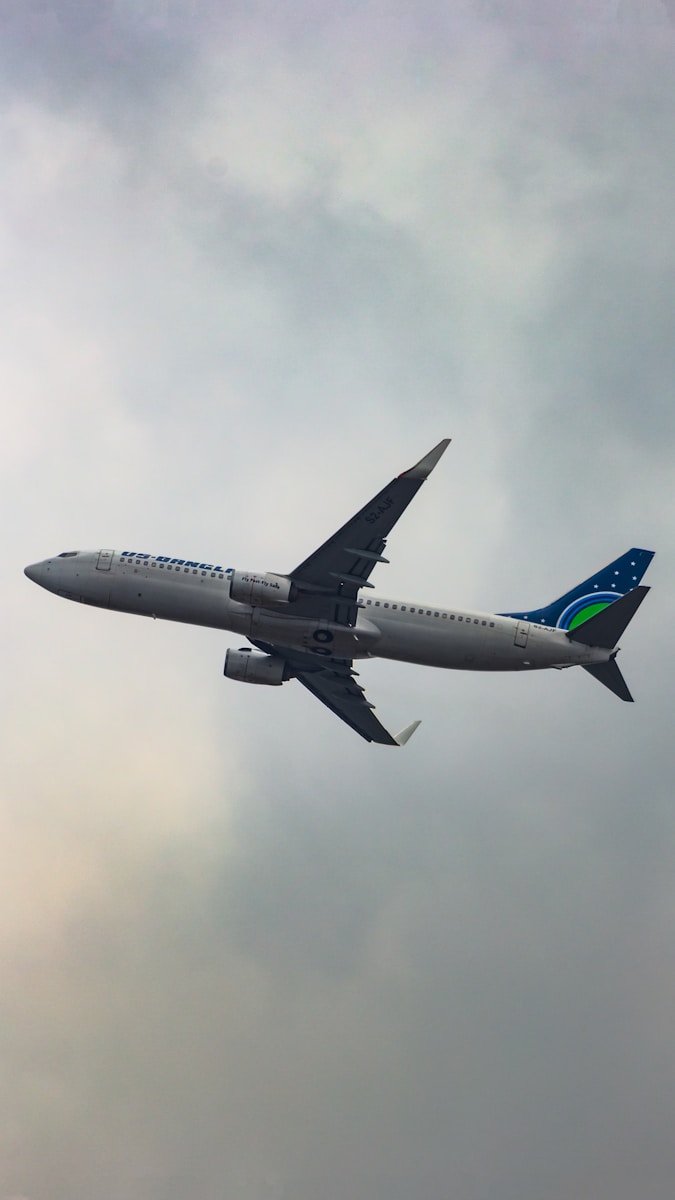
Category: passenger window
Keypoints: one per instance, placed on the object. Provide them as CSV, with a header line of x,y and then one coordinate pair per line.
x,y
394,606
452,616
492,624
220,576
436,614
403,608
377,604
386,605
475,620
444,615
483,622
460,618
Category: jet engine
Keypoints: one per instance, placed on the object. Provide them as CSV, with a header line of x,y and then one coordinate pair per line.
x,y
261,590
248,667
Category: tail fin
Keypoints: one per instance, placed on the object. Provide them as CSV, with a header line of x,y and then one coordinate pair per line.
x,y
609,674
593,595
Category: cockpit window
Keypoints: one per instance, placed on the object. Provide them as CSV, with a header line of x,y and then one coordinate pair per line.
x,y
68,554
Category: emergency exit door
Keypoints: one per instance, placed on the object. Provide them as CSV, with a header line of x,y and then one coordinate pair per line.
x,y
522,630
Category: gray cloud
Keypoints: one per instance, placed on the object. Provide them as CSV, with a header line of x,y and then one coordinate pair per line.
x,y
258,264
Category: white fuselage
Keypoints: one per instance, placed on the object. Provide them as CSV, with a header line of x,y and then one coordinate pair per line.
x,y
199,594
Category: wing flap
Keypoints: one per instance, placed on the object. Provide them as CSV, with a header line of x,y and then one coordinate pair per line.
x,y
346,698
334,682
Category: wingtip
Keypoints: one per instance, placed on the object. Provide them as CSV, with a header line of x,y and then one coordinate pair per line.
x,y
406,734
425,466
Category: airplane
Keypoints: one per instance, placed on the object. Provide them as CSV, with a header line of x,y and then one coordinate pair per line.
x,y
312,623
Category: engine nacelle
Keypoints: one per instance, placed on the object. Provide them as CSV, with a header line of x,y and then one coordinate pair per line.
x,y
248,667
261,590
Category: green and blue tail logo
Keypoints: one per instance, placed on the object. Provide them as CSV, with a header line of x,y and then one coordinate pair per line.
x,y
593,595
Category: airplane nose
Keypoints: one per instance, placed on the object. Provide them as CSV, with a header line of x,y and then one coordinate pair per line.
x,y
42,573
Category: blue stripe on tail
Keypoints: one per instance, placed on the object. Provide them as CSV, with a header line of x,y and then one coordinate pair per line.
x,y
594,594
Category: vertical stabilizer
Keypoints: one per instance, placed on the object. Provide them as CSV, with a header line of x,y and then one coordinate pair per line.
x,y
593,595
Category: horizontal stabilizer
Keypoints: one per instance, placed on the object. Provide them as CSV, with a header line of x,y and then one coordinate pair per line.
x,y
609,674
606,627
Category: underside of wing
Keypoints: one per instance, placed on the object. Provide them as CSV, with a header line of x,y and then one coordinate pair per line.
x,y
334,683
341,693
329,580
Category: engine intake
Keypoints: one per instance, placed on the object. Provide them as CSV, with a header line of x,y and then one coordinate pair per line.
x,y
248,667
261,590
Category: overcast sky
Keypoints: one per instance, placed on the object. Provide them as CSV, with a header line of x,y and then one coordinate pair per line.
x,y
257,259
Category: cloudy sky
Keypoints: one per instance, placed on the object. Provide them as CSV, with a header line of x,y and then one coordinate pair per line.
x,y
257,259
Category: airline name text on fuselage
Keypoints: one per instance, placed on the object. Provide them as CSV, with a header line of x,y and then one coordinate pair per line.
x,y
178,562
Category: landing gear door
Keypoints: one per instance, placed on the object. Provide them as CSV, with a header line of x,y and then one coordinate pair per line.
x,y
105,558
522,630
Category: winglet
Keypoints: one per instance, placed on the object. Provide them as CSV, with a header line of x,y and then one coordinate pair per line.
x,y
425,466
406,734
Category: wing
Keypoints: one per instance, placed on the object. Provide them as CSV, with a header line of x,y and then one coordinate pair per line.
x,y
337,688
334,683
328,581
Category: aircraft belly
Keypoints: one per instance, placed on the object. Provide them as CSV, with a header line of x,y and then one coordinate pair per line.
x,y
85,591
194,603
472,647
431,644
324,638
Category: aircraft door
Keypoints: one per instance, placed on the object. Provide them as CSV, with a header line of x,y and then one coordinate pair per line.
x,y
522,630
104,560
